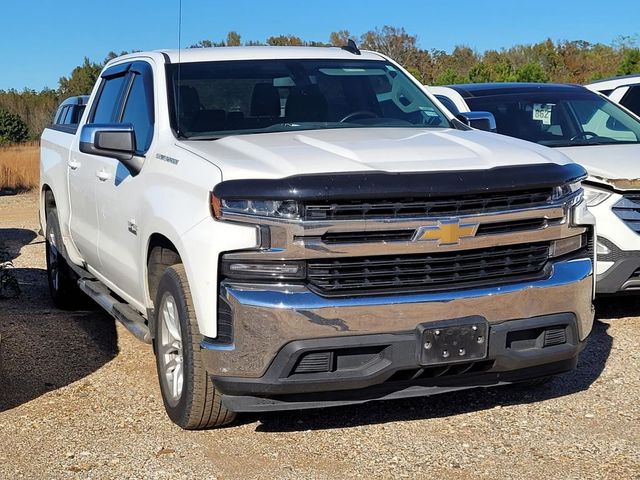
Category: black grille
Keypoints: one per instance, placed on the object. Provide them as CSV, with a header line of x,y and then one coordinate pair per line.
x,y
426,207
628,210
427,272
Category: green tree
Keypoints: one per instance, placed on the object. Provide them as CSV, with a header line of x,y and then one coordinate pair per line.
x,y
81,80
285,40
12,128
630,62
233,39
531,72
394,42
480,73
339,38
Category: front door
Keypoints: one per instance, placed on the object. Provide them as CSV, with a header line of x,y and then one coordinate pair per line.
x,y
119,194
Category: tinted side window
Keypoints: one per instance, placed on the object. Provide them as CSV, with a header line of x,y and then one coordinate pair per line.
x,y
631,99
108,101
62,111
139,112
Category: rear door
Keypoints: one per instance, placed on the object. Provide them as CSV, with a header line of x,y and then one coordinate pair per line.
x,y
82,167
119,194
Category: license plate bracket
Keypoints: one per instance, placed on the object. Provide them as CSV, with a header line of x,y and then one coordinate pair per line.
x,y
453,341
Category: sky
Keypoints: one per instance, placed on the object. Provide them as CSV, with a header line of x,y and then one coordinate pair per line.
x,y
42,40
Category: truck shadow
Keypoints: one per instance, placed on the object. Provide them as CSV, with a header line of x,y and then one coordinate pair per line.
x,y
42,348
590,365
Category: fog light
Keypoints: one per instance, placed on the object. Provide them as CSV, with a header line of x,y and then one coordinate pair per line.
x,y
265,270
602,249
566,245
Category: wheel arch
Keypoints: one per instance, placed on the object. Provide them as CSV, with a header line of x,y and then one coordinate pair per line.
x,y
152,278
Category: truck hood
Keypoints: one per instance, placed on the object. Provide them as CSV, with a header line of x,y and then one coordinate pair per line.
x,y
278,155
614,165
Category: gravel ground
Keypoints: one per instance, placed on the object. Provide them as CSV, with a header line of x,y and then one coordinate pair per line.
x,y
79,399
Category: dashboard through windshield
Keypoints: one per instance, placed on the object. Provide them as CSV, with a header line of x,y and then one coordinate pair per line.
x,y
219,98
560,119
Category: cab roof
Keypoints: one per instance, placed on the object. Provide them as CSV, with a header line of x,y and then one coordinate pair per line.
x,y
187,55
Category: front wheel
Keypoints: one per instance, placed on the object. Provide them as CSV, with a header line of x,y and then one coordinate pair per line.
x,y
189,396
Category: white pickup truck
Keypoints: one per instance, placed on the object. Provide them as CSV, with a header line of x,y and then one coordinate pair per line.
x,y
305,227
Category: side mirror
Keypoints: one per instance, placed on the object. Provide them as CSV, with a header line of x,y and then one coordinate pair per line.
x,y
480,120
111,140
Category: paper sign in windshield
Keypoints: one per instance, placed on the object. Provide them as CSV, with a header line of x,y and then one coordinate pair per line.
x,y
542,112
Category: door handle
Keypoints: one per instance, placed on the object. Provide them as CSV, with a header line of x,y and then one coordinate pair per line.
x,y
103,176
73,165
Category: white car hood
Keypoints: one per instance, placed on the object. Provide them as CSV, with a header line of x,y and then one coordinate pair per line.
x,y
615,165
278,155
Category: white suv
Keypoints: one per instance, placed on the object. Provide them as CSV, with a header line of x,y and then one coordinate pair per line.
x,y
624,90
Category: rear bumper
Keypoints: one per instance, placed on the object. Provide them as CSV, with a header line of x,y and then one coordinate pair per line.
x,y
385,366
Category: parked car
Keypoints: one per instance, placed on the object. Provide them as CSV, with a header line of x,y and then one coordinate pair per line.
x,y
305,227
592,131
624,90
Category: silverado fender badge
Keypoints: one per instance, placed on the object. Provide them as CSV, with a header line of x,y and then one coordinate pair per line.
x,y
132,226
446,232
164,158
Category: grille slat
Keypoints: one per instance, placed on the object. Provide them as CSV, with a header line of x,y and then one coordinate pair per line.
x,y
426,207
628,210
427,272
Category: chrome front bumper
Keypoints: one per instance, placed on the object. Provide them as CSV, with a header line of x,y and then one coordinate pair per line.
x,y
267,317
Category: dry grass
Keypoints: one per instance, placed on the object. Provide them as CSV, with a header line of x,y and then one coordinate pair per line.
x,y
20,167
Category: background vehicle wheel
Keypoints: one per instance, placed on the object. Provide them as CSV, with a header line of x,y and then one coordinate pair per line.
x,y
62,280
189,395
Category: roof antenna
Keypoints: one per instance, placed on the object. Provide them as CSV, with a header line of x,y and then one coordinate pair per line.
x,y
351,47
179,72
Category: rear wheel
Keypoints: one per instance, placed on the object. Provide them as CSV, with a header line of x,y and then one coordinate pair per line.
x,y
189,395
62,280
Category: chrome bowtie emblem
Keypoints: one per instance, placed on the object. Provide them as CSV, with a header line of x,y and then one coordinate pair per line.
x,y
446,232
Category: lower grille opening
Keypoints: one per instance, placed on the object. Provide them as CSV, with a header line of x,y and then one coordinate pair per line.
x,y
314,362
441,371
339,360
537,337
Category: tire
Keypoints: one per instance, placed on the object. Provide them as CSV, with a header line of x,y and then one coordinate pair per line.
x,y
63,285
191,401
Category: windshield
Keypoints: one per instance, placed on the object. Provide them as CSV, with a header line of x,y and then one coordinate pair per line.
x,y
214,99
560,119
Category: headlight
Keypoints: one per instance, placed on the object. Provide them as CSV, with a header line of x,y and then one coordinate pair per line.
x,y
285,209
565,190
595,196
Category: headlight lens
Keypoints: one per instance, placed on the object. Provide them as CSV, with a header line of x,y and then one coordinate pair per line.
x,y
595,196
285,209
565,190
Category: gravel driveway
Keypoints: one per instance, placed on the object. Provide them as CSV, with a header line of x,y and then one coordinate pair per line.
x,y
79,399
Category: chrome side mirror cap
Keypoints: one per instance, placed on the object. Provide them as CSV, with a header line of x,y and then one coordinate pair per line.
x,y
111,140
